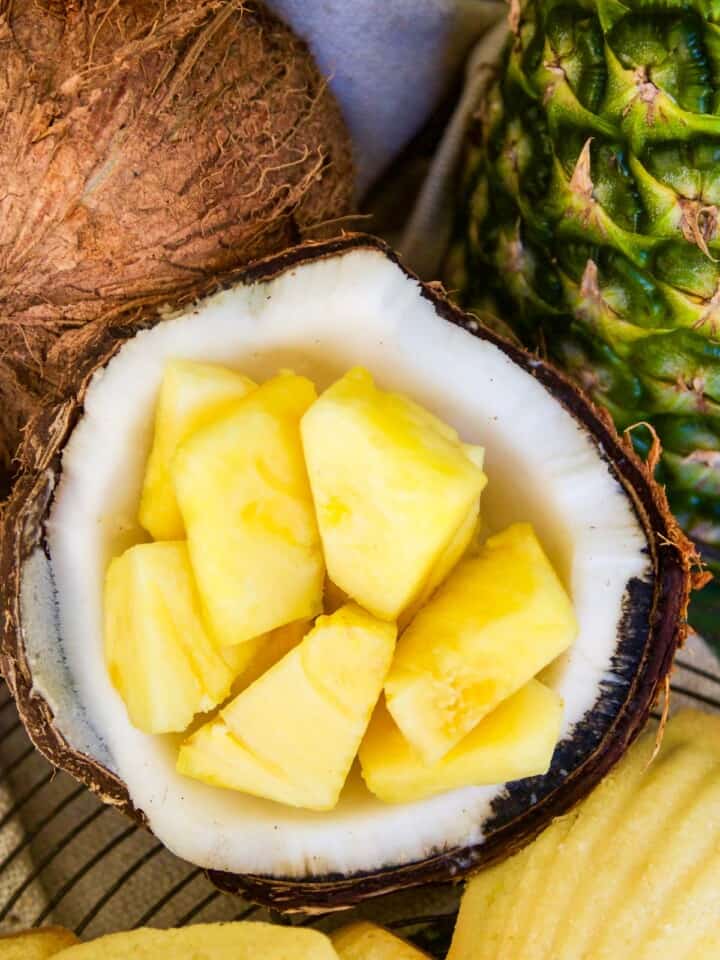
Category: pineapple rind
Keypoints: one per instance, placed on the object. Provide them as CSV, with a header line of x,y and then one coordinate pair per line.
x,y
631,873
589,212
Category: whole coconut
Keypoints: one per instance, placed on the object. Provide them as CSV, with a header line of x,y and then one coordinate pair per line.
x,y
146,146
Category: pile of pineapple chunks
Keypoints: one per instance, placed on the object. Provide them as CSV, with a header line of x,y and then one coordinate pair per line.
x,y
295,537
221,941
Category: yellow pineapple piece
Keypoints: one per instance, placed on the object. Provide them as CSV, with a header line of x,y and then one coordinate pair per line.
x,y
662,826
535,864
367,941
392,485
35,944
192,395
498,619
631,874
159,655
209,941
463,540
493,895
293,734
448,560
516,740
244,496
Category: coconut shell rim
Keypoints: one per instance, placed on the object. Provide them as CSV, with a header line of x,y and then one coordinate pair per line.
x,y
671,554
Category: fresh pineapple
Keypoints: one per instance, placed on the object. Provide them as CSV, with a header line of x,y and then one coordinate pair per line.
x,y
589,211
392,487
243,492
497,620
462,540
35,944
159,655
192,395
516,740
209,941
630,874
368,941
292,735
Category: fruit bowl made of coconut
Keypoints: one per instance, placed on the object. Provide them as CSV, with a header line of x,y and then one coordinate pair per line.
x,y
555,466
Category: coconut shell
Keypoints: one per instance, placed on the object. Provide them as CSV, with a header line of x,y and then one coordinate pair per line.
x,y
653,625
145,147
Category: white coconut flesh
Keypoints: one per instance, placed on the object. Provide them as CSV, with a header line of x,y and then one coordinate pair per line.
x,y
318,319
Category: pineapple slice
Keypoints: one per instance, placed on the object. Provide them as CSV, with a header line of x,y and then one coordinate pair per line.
x,y
158,653
516,740
498,619
452,554
192,395
209,941
630,874
367,941
35,944
244,495
392,485
293,734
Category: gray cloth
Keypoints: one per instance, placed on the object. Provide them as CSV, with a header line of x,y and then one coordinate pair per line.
x,y
427,234
389,61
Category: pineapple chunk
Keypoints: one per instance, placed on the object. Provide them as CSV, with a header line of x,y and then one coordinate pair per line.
x,y
192,395
497,620
209,941
35,944
516,740
244,495
449,559
293,734
392,485
367,941
631,874
159,656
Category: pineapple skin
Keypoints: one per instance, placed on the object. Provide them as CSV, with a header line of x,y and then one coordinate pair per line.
x,y
630,874
589,220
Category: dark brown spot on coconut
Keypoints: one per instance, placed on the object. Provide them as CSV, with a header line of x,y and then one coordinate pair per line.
x,y
146,147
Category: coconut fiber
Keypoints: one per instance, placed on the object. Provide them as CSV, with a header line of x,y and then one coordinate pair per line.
x,y
146,146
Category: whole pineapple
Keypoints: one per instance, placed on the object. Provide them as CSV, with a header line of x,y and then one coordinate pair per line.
x,y
591,218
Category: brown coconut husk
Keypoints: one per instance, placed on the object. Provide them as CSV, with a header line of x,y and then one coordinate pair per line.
x,y
146,146
653,624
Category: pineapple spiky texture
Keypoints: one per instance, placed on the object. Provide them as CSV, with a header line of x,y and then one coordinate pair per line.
x,y
590,219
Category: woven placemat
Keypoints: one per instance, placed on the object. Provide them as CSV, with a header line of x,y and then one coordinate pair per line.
x,y
65,858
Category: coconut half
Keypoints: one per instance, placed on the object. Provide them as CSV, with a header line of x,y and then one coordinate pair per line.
x,y
551,458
